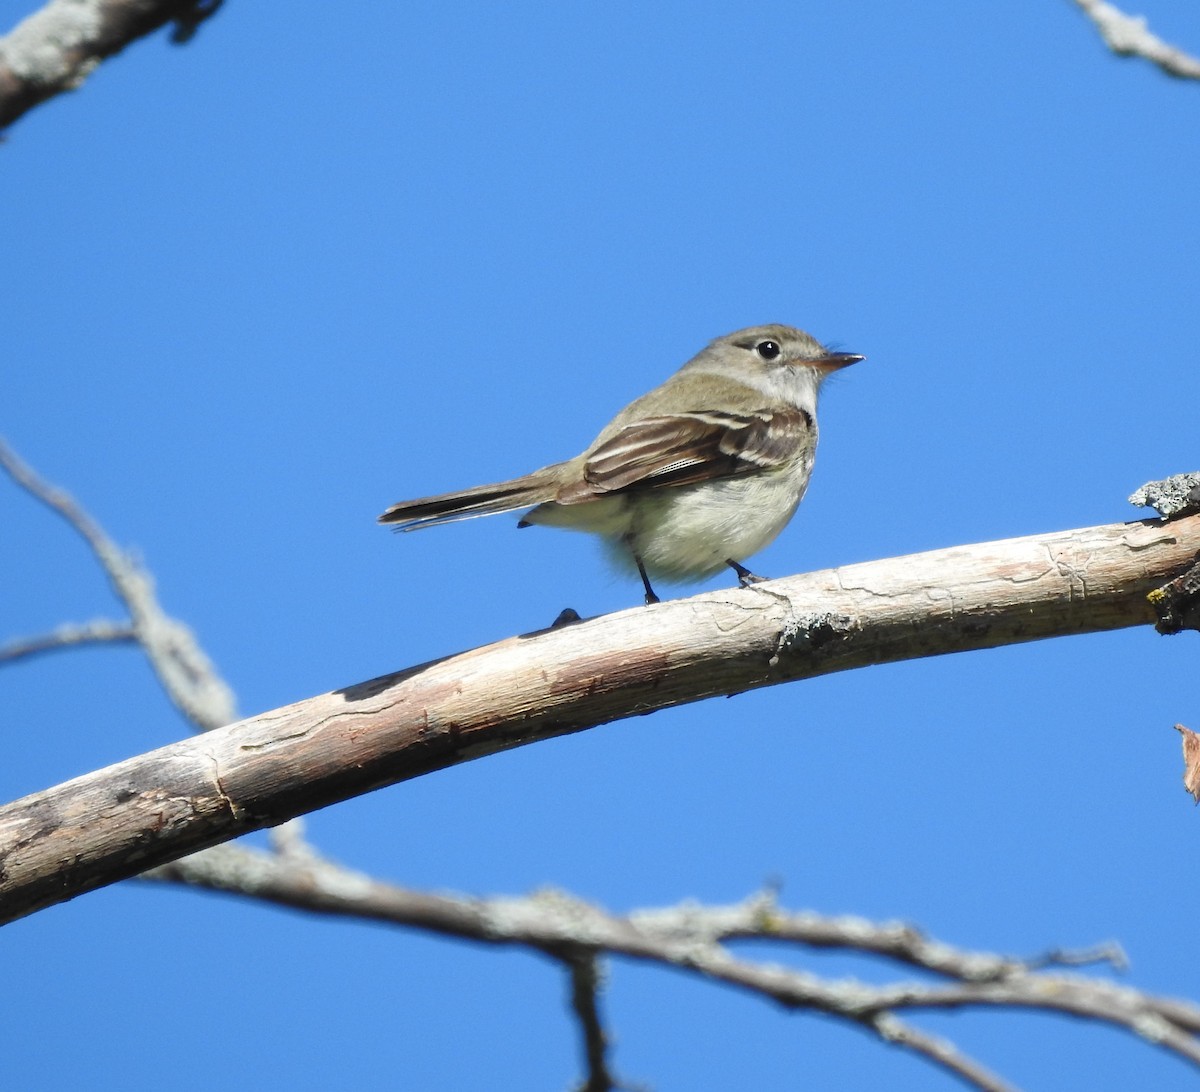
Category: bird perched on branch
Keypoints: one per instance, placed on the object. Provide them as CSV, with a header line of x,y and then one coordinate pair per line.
x,y
698,474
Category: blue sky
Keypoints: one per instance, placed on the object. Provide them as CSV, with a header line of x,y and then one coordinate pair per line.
x,y
258,288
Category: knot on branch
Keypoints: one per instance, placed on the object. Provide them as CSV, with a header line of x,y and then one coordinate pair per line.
x,y
807,633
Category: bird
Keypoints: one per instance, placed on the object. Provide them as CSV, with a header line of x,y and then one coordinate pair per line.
x,y
695,476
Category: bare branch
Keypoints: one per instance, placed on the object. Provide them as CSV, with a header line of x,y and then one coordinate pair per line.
x,y
1150,1018
692,937
1111,953
57,48
70,635
939,1051
586,977
156,807
900,942
1130,36
185,672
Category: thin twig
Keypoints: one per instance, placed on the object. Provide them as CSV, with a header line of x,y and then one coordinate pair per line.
x,y
1111,953
585,975
69,635
939,1051
185,672
689,937
761,918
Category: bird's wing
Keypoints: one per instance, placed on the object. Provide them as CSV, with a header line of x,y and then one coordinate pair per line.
x,y
683,448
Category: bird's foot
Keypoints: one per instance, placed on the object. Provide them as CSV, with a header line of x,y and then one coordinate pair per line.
x,y
744,575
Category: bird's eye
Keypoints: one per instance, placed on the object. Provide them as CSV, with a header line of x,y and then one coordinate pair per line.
x,y
768,350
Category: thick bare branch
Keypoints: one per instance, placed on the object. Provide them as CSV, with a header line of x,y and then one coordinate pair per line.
x,y
186,673
1130,36
154,808
692,938
57,48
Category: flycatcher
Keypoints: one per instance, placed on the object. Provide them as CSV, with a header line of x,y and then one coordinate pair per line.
x,y
699,474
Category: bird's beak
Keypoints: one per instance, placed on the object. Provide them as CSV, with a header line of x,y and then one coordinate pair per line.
x,y
832,362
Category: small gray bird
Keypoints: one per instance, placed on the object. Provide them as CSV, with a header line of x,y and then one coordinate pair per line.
x,y
699,474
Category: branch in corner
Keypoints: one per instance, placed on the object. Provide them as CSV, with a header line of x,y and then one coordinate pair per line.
x,y
1130,36
57,48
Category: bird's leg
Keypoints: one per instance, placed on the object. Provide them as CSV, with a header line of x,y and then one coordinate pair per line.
x,y
744,575
650,596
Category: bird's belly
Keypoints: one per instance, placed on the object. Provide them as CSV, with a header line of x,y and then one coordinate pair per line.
x,y
691,532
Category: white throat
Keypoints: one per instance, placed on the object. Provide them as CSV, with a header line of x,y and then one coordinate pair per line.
x,y
793,385
796,384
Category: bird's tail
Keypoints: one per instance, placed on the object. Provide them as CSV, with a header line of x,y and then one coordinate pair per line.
x,y
482,500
